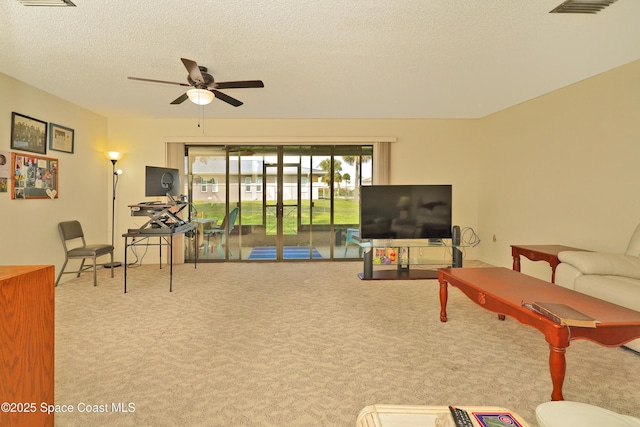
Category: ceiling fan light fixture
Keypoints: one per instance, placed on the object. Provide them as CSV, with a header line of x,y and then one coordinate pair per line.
x,y
200,96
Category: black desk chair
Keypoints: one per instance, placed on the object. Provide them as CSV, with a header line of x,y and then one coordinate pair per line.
x,y
75,247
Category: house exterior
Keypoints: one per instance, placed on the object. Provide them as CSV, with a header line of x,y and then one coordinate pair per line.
x,y
251,179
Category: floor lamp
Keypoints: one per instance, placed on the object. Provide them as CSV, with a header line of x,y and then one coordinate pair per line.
x,y
114,156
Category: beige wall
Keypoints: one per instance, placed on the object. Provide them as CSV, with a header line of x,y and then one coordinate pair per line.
x,y
29,233
563,169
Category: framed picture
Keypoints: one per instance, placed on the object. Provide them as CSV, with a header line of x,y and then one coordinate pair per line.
x,y
60,138
5,168
28,134
34,177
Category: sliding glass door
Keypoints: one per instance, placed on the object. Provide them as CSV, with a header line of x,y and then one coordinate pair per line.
x,y
273,203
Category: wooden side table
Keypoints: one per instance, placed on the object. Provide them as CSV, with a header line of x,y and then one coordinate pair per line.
x,y
548,253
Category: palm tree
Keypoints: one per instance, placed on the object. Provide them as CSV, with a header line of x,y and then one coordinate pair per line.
x,y
325,165
355,160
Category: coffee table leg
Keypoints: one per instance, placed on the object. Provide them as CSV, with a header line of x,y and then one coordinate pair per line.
x,y
444,295
558,368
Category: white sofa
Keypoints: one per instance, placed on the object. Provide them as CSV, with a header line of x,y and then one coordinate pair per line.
x,y
607,276
563,413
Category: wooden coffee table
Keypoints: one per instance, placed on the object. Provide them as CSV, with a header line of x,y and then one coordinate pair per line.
x,y
502,291
548,253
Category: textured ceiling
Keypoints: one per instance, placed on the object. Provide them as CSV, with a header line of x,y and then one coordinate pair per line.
x,y
318,59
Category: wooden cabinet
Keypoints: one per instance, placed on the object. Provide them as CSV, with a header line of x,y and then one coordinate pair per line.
x,y
27,303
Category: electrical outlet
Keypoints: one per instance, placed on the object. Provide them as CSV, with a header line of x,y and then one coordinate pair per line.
x,y
494,238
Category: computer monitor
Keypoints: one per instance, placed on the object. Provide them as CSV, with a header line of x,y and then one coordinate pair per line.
x,y
161,181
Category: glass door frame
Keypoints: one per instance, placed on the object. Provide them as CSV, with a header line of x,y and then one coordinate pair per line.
x,y
318,230
281,203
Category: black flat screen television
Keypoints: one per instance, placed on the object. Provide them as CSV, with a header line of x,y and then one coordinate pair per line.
x,y
405,211
161,182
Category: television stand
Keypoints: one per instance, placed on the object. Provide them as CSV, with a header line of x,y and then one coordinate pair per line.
x,y
408,259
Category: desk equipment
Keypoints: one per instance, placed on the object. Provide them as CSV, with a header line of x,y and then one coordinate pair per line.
x,y
176,228
161,181
164,223
165,238
163,216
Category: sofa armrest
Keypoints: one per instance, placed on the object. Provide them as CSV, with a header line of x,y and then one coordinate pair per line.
x,y
602,263
633,249
566,275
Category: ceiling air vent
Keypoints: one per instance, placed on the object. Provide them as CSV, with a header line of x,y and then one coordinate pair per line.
x,y
582,6
64,3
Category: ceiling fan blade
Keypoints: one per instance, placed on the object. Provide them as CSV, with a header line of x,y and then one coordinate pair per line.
x,y
180,99
226,98
158,81
193,69
238,84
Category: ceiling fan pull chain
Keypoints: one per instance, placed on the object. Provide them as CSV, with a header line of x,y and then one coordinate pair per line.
x,y
199,114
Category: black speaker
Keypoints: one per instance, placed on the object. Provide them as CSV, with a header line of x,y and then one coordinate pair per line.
x,y
456,252
455,235
368,264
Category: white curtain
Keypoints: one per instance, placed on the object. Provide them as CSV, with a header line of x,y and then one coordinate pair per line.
x,y
175,159
381,163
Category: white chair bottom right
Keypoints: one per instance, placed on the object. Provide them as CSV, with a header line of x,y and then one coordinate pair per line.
x,y
575,414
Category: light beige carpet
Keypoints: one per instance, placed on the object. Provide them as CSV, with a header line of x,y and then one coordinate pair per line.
x,y
300,344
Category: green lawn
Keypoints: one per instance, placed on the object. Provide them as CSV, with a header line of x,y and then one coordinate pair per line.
x,y
345,212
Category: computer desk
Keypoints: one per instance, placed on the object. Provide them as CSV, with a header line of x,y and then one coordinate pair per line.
x,y
165,238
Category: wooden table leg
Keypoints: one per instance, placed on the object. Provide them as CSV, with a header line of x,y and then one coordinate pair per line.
x,y
516,262
553,263
558,368
444,295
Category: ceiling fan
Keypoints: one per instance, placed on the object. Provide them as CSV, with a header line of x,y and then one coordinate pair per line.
x,y
204,87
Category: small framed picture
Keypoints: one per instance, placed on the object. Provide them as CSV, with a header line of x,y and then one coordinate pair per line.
x,y
60,138
28,134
